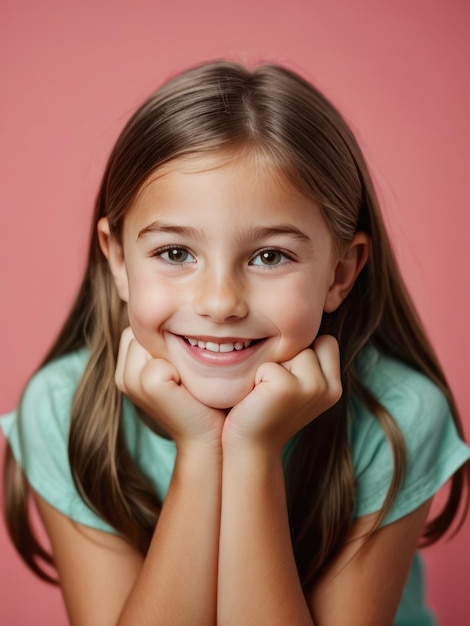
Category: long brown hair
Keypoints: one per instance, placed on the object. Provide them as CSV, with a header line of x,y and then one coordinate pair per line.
x,y
221,106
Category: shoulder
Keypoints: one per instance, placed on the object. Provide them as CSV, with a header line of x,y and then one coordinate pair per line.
x,y
392,379
416,404
38,431
41,423
412,399
45,405
58,379
419,408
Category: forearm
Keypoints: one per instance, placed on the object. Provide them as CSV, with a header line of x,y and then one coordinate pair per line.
x,y
258,580
178,581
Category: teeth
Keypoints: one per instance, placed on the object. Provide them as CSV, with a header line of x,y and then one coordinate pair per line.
x,y
218,347
226,347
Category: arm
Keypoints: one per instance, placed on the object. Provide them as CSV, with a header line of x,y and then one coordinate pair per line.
x,y
363,585
104,580
178,580
258,580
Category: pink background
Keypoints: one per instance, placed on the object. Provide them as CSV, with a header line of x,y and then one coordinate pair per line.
x,y
73,72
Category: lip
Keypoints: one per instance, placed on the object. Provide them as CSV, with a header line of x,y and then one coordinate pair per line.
x,y
213,339
220,358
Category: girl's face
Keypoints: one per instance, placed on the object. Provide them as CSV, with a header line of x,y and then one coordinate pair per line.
x,y
224,266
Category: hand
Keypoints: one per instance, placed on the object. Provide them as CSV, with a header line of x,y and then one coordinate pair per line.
x,y
155,386
286,397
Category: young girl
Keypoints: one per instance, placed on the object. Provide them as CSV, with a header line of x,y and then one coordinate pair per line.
x,y
242,421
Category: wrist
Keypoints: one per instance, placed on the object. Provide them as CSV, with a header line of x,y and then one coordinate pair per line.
x,y
235,442
198,449
254,467
250,452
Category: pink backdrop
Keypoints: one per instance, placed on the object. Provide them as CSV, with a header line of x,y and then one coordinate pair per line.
x,y
72,73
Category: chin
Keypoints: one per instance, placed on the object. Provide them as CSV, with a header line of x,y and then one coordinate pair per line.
x,y
221,398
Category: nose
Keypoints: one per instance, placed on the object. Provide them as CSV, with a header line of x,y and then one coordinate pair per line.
x,y
221,297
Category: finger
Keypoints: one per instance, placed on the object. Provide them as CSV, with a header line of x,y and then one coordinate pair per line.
x,y
326,349
305,368
126,337
268,371
136,359
163,392
318,368
158,373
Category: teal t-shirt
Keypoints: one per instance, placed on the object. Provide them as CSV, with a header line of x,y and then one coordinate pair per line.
x,y
39,442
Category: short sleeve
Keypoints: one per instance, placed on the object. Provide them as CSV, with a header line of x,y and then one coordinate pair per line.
x,y
434,449
38,435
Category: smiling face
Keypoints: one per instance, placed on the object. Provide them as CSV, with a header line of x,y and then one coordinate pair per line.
x,y
224,266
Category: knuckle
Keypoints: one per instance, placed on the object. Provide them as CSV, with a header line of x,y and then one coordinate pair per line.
x,y
119,383
155,373
335,392
319,386
127,333
149,378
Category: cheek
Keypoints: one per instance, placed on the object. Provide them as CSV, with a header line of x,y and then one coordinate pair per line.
x,y
149,306
302,323
298,317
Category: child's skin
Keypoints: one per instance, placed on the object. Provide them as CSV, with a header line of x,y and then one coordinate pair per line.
x,y
222,249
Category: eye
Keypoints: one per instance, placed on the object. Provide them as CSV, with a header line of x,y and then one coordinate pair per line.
x,y
175,255
269,258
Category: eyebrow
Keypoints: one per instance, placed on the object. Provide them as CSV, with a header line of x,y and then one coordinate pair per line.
x,y
262,232
160,227
252,234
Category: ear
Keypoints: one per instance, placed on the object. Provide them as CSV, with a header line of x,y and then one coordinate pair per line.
x,y
347,269
114,253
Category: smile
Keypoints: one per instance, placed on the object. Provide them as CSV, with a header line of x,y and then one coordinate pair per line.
x,y
213,346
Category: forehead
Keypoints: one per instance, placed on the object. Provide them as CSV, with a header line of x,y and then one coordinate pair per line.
x,y
243,174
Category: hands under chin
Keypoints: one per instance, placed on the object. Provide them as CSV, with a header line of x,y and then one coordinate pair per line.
x,y
285,397
154,385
